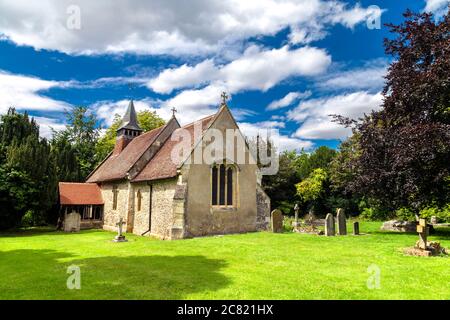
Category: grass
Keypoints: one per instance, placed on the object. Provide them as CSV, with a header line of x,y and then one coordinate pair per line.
x,y
33,265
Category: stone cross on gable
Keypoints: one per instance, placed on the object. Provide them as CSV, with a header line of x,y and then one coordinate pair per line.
x,y
120,224
173,111
224,97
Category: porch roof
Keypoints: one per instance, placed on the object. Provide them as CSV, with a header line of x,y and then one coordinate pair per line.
x,y
71,193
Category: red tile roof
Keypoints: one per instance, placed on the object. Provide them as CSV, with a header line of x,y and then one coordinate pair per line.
x,y
71,193
161,166
116,166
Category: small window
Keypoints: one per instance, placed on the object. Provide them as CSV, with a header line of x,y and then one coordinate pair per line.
x,y
115,195
139,200
230,186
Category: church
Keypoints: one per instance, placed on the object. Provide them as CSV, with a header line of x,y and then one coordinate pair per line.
x,y
161,183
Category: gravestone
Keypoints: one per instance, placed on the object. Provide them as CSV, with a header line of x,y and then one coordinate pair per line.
x,y
295,224
433,220
120,237
277,221
329,225
356,228
341,222
72,222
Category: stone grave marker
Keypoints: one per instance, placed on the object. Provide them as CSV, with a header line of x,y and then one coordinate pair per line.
x,y
356,228
341,222
120,237
72,222
329,225
277,221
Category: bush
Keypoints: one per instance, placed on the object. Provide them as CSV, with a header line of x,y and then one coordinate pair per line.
x,y
27,219
405,214
370,210
287,224
442,214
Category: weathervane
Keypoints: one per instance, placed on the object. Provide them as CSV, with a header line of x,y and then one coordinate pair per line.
x,y
224,97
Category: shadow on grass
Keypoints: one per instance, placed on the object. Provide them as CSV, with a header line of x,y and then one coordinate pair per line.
x,y
42,274
440,233
40,231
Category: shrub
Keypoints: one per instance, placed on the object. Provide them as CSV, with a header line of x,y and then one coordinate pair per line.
x,y
287,224
405,214
442,214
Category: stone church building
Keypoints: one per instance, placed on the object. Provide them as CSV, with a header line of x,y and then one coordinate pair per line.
x,y
167,196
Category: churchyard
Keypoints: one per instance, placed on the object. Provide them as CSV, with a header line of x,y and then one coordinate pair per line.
x,y
41,264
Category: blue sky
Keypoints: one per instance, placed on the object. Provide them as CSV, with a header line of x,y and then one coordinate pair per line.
x,y
286,64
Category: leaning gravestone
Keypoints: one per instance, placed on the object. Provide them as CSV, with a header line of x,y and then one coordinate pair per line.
x,y
329,225
72,222
277,221
341,222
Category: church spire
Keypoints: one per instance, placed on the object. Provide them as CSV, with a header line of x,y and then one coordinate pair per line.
x,y
129,120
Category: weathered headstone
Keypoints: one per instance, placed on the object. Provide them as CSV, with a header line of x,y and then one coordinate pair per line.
x,y
422,229
277,221
356,228
120,237
296,209
433,220
341,222
329,225
72,222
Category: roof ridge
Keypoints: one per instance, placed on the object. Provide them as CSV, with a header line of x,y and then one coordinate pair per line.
x,y
201,119
69,182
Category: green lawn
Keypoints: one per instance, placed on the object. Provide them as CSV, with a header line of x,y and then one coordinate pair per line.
x,y
33,265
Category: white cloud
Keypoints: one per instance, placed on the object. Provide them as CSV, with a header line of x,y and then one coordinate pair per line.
x,y
282,142
47,124
351,17
314,119
256,70
370,77
184,76
437,6
288,100
25,93
165,27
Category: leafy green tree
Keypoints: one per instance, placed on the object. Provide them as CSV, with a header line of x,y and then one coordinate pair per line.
x,y
281,187
320,158
313,187
148,120
27,171
17,191
82,133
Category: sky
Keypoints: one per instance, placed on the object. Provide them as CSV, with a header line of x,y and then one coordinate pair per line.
x,y
286,65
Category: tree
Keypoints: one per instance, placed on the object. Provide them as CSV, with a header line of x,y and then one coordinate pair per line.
x,y
313,187
320,158
27,171
281,186
148,120
82,133
405,147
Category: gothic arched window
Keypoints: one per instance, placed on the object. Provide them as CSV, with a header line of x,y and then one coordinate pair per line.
x,y
223,185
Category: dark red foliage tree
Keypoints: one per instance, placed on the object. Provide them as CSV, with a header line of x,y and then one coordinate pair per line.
x,y
405,147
